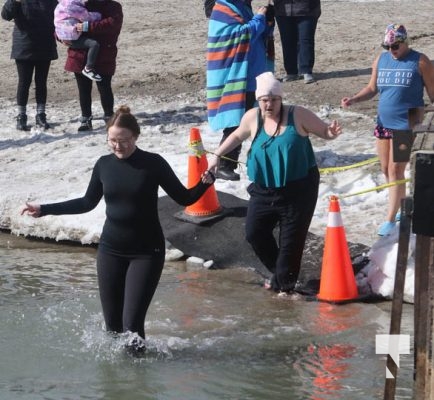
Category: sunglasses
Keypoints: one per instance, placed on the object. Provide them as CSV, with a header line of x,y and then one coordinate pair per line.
x,y
394,46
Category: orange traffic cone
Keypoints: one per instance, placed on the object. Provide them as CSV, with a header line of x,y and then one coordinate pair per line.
x,y
208,206
338,283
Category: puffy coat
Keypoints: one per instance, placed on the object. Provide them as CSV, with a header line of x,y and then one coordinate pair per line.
x,y
67,14
33,34
297,8
106,32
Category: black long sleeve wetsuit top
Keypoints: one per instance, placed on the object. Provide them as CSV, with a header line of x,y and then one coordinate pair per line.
x,y
130,189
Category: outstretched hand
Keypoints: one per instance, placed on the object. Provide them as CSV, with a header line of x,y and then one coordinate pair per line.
x,y
34,210
346,102
262,10
334,130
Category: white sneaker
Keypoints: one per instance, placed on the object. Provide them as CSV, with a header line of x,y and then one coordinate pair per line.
x,y
91,74
290,78
308,78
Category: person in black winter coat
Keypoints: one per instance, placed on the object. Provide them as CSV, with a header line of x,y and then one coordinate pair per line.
x,y
33,48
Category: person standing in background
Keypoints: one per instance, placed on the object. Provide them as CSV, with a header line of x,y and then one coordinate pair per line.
x,y
67,15
399,75
297,21
33,48
106,32
236,54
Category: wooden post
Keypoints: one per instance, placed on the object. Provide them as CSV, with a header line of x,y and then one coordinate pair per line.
x,y
398,291
422,170
423,318
422,221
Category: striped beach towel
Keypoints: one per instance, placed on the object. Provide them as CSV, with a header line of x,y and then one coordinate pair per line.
x,y
227,52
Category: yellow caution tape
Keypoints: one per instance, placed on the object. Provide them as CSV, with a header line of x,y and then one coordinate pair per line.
x,y
224,157
199,150
196,148
321,170
386,185
344,168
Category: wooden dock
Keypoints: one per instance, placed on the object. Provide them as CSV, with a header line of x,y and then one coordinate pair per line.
x,y
417,214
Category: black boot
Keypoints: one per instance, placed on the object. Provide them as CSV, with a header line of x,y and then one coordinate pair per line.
x,y
229,163
22,122
41,121
226,171
86,124
107,118
227,174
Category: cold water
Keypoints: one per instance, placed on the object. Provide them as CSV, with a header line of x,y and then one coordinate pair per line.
x,y
211,334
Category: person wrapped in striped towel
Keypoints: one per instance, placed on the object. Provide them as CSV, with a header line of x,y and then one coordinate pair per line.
x,y
236,54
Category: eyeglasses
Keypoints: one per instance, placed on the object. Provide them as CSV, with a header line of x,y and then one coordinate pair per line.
x,y
394,46
119,142
264,100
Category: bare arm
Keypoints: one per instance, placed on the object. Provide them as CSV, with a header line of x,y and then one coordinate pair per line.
x,y
309,123
235,138
427,71
368,92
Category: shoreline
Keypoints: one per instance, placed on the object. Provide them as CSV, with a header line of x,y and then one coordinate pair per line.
x,y
162,80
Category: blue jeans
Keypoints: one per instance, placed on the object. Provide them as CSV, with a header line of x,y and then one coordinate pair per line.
x,y
297,35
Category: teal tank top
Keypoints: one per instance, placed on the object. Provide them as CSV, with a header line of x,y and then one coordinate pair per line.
x,y
273,162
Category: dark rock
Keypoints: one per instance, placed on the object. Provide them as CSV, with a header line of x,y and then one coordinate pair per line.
x,y
223,240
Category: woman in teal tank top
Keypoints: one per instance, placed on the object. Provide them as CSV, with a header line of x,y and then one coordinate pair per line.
x,y
285,178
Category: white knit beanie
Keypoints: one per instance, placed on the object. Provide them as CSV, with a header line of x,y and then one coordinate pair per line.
x,y
268,85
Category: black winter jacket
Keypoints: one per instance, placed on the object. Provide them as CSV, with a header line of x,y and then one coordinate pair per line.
x,y
33,36
298,8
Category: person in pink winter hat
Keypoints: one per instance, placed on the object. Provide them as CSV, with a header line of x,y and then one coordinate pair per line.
x,y
71,20
284,179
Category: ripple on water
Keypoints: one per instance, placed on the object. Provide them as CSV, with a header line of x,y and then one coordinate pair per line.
x,y
210,334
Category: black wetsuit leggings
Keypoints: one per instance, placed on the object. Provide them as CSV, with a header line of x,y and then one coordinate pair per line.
x,y
126,287
85,94
25,70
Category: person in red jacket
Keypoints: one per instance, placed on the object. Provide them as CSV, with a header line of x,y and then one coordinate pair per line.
x,y
106,31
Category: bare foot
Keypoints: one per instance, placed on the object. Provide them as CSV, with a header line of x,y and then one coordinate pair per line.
x,y
267,284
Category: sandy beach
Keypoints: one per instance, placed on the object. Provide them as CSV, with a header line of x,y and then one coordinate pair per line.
x,y
161,75
162,50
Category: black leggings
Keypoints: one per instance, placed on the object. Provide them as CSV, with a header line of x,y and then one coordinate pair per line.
x,y
25,70
291,207
126,287
84,85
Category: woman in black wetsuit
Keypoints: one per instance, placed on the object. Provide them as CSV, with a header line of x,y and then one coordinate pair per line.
x,y
131,250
